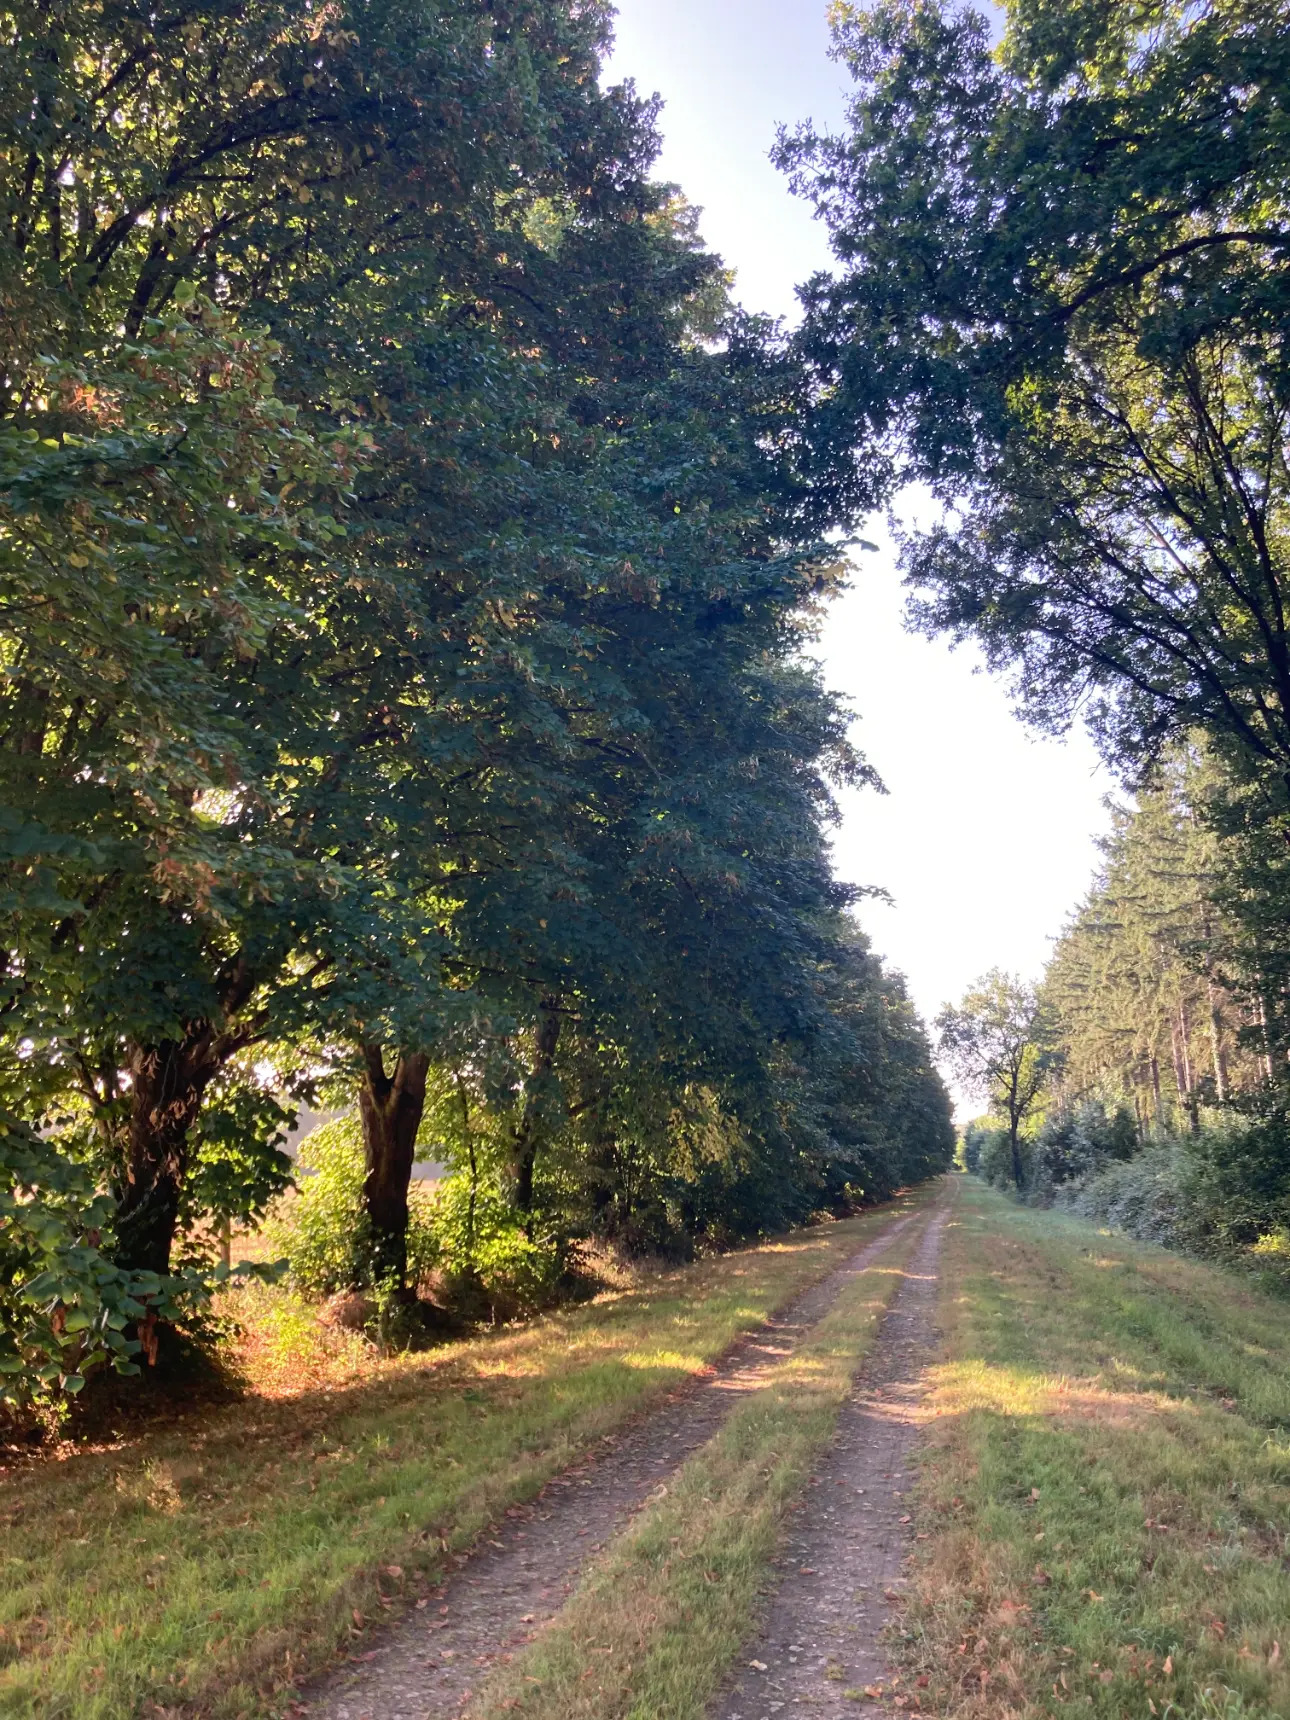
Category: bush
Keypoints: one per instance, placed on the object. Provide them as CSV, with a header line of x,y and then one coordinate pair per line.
x,y
486,1256
325,1236
1145,1197
974,1138
1077,1144
65,1308
1223,1194
996,1159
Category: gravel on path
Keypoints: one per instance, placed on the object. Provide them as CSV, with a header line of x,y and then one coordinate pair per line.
x,y
522,1571
819,1651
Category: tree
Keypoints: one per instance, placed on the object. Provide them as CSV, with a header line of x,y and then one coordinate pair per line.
x,y
996,1041
402,715
1151,985
1062,303
405,579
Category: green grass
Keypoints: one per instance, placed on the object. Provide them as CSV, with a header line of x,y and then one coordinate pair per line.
x,y
204,1567
1105,1485
659,1619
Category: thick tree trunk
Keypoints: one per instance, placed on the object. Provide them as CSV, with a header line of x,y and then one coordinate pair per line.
x,y
1018,1175
167,1084
391,1108
528,1131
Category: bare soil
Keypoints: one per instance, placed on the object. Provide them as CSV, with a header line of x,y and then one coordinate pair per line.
x,y
820,1648
522,1571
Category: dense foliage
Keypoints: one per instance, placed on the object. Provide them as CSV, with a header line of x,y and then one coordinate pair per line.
x,y
404,576
1063,304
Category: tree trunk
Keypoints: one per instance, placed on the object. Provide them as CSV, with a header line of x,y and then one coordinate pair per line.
x,y
527,1132
1216,1040
391,1107
167,1082
1155,1089
1015,1144
1187,1105
472,1163
610,1196
1266,1057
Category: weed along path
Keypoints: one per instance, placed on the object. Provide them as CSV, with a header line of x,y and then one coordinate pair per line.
x,y
522,1574
842,1563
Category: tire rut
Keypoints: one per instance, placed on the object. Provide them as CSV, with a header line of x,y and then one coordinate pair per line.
x,y
820,1645
521,1573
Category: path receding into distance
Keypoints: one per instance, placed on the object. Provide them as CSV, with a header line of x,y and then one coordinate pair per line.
x,y
524,1569
843,1556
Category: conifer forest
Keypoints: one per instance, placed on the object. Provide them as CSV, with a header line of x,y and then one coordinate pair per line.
x,y
433,1024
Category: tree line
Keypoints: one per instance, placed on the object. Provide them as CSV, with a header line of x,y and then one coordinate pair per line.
x,y
406,578
409,555
1062,304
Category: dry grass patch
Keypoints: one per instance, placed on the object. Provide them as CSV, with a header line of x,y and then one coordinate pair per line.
x,y
202,1568
1104,1482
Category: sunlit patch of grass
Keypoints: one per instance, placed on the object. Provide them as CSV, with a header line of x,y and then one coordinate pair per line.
x,y
1104,1484
684,1359
285,1346
203,1566
660,1618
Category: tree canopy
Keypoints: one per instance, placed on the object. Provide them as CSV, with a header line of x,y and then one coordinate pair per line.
x,y
1062,303
405,580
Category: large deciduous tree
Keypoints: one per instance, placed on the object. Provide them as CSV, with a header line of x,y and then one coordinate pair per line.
x,y
1062,301
383,188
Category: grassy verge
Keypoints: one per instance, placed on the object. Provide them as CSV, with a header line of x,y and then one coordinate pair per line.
x,y
202,1568
660,1618
1105,1481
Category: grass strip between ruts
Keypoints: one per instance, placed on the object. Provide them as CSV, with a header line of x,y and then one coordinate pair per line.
x,y
205,1568
660,1618
1105,1491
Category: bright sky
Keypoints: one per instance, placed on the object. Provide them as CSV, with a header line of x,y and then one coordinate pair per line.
x,y
986,838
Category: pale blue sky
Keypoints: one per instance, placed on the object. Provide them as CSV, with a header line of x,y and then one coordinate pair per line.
x,y
986,837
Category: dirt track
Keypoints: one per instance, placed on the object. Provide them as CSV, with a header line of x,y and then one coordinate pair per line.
x,y
522,1573
820,1648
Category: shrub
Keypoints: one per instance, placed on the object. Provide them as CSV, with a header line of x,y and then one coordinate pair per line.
x,y
974,1139
65,1308
1077,1144
1222,1194
996,1159
486,1261
325,1236
484,1251
1144,1196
